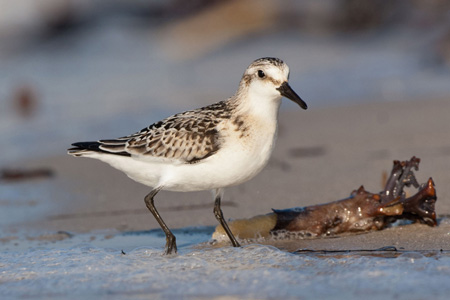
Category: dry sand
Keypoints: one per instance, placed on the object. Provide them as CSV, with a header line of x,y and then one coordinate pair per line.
x,y
321,155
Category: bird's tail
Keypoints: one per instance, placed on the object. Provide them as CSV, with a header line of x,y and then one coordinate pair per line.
x,y
114,147
82,148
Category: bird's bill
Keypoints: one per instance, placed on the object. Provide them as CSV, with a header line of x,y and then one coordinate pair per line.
x,y
288,92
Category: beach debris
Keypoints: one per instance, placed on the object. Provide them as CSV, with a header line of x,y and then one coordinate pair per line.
x,y
12,175
361,212
25,101
385,252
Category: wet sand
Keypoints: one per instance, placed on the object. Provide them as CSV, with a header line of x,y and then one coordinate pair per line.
x,y
321,156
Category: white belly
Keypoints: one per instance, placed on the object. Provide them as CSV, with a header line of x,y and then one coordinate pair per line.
x,y
226,168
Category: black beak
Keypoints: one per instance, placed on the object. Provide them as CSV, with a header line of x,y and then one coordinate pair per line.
x,y
288,92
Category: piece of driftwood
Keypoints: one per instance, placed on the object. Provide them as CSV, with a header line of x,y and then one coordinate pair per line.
x,y
361,212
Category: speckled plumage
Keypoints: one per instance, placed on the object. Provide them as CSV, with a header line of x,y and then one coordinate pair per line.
x,y
186,137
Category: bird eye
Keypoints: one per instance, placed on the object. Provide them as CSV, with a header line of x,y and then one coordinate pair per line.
x,y
261,74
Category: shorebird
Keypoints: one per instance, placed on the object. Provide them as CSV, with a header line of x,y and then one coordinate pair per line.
x,y
210,148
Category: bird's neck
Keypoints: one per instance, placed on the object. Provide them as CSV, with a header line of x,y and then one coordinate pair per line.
x,y
250,102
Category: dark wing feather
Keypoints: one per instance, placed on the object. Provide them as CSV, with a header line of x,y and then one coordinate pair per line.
x,y
84,147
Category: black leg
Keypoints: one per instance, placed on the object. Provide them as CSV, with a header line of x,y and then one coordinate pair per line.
x,y
171,245
219,216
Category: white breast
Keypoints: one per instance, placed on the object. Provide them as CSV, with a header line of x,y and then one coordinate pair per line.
x,y
241,156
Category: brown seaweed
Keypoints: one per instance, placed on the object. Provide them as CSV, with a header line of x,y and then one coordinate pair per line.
x,y
361,212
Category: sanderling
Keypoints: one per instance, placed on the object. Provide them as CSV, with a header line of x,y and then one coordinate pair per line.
x,y
209,148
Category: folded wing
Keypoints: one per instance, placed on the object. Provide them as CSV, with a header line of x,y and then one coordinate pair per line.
x,y
181,137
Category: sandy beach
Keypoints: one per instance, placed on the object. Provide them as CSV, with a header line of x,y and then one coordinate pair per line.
x,y
321,155
375,77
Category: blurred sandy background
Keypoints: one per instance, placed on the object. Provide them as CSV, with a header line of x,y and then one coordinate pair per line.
x,y
375,75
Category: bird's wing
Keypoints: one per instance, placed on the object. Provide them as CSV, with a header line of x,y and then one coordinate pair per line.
x,y
187,137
